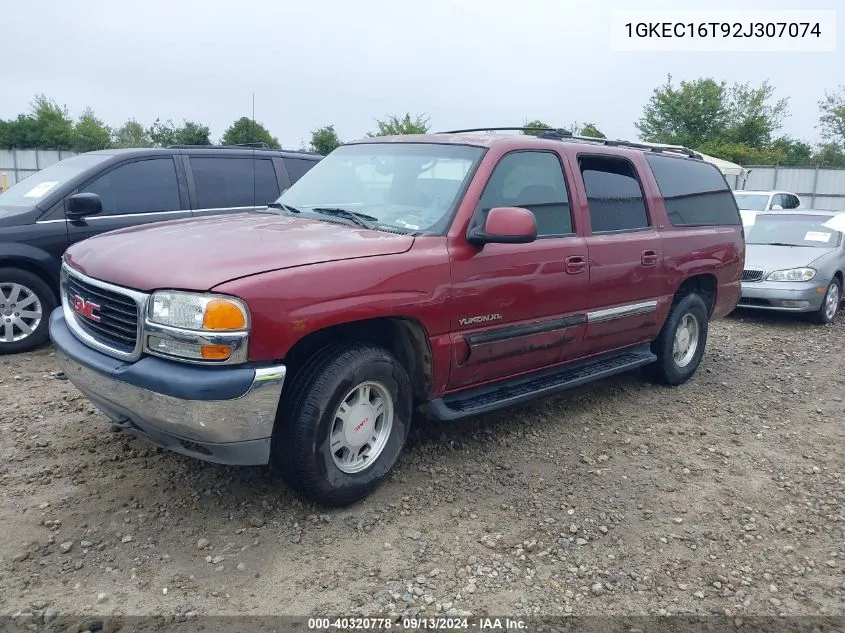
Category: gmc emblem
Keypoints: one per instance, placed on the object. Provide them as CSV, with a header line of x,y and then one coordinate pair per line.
x,y
88,309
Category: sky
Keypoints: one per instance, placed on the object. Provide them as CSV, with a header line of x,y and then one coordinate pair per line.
x,y
462,63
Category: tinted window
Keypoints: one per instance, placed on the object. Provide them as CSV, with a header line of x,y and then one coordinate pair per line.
x,y
792,202
144,186
614,195
297,167
533,181
694,192
223,182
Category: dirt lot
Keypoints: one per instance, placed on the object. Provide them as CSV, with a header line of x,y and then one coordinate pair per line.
x,y
726,495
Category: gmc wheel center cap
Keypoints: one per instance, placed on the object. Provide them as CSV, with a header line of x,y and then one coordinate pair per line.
x,y
360,424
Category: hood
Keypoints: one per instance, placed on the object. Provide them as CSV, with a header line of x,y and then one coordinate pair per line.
x,y
198,254
768,258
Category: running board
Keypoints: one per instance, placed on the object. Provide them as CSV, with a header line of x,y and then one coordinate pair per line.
x,y
524,388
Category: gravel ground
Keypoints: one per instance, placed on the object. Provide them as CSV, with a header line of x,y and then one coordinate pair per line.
x,y
723,496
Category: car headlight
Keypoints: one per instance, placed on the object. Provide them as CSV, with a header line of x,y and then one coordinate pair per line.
x,y
195,326
792,274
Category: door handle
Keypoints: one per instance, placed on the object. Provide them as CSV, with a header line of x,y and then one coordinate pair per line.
x,y
649,258
575,264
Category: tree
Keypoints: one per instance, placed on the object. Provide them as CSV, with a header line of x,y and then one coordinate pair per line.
x,y
832,119
752,117
590,129
164,133
830,155
324,140
535,127
394,125
690,115
131,134
796,152
90,133
245,130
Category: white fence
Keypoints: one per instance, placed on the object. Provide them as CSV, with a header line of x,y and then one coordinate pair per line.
x,y
17,164
819,188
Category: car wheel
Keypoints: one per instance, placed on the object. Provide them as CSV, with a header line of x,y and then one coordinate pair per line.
x,y
25,306
343,423
680,345
830,303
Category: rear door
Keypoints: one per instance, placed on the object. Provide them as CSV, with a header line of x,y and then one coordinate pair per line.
x,y
140,191
231,184
520,307
627,276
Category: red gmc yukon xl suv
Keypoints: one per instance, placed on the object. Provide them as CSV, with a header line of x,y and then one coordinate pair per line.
x,y
455,273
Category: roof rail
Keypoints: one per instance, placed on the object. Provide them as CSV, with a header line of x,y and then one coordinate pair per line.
x,y
544,131
559,134
261,145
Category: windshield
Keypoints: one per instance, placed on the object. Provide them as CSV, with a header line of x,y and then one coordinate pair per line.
x,y
751,201
411,187
793,231
31,190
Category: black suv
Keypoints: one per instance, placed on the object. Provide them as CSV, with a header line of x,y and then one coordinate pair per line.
x,y
95,192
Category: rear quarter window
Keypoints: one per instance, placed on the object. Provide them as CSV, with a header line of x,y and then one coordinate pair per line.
x,y
694,193
298,167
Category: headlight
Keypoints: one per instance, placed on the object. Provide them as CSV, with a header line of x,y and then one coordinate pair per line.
x,y
196,326
792,274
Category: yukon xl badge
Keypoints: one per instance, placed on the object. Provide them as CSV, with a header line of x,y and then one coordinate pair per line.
x,y
482,318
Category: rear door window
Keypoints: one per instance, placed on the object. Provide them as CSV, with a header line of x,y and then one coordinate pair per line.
x,y
298,167
143,186
694,193
614,195
225,181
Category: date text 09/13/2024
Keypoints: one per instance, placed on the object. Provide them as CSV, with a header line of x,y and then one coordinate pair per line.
x,y
417,624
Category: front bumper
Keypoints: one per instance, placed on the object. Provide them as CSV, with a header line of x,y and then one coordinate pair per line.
x,y
218,414
786,296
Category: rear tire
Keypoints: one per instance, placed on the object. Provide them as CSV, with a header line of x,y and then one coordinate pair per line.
x,y
25,306
830,304
680,345
343,424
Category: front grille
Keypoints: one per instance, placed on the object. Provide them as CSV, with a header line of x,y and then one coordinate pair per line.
x,y
118,324
752,275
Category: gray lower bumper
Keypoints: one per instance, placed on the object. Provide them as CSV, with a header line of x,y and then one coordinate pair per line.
x,y
782,296
230,430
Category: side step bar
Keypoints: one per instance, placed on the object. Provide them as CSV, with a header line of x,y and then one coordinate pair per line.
x,y
510,392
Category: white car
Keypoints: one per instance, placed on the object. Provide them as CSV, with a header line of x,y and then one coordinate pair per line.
x,y
752,202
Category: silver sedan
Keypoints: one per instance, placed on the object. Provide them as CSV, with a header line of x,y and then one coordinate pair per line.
x,y
795,262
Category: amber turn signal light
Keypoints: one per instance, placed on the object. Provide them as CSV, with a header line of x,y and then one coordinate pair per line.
x,y
221,314
215,352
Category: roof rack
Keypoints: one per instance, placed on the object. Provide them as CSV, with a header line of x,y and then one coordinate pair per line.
x,y
544,132
558,134
261,145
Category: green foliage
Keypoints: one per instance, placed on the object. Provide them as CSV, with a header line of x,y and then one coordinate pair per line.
x,y
245,130
832,119
590,129
164,133
743,154
536,126
689,115
324,140
394,125
131,134
797,152
752,116
90,133
830,155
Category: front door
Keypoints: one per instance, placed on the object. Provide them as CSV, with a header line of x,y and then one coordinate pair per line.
x,y
627,275
520,307
137,192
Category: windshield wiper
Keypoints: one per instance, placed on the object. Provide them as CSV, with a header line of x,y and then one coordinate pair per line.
x,y
361,219
776,244
283,207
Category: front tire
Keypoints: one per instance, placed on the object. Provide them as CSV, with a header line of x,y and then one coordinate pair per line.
x,y
343,423
25,306
830,304
680,345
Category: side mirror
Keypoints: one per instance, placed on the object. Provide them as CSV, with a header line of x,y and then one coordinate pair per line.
x,y
505,225
777,207
81,205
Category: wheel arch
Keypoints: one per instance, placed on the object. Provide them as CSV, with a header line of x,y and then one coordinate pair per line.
x,y
703,284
